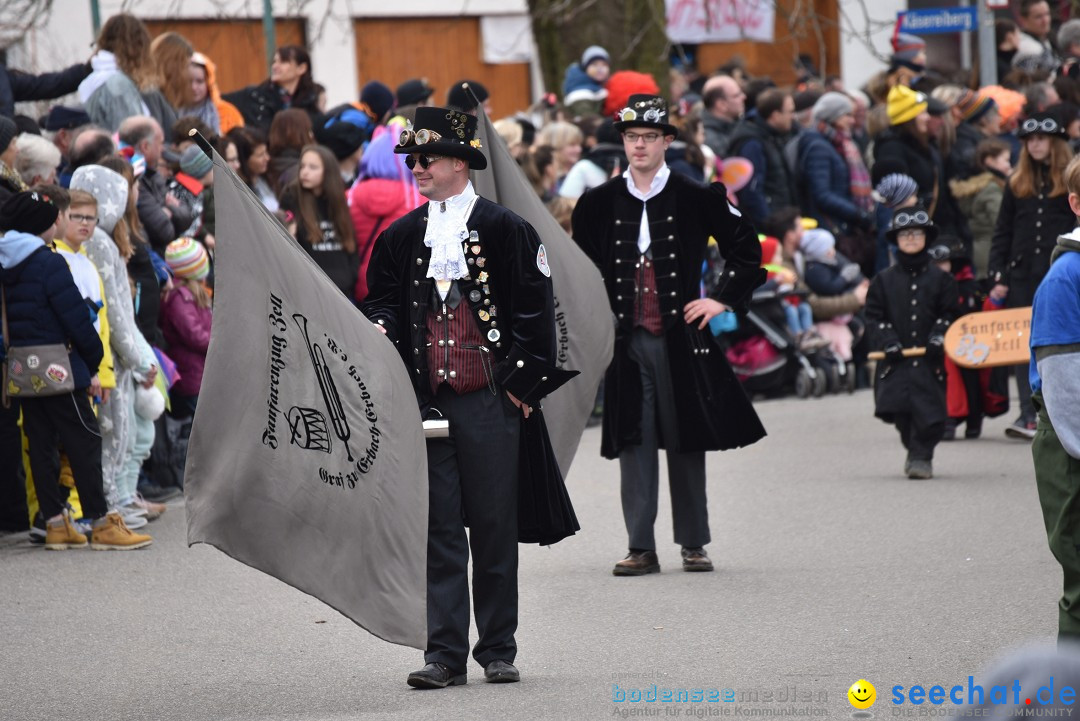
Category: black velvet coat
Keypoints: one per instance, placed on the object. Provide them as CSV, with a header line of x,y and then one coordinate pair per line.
x,y
400,292
908,306
713,410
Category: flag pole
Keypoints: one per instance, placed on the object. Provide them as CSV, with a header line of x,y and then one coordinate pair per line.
x,y
202,142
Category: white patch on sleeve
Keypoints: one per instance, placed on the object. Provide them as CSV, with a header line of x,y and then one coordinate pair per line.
x,y
542,261
734,210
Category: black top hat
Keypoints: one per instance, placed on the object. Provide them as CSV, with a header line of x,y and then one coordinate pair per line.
x,y
413,91
443,131
645,111
909,219
460,98
1046,123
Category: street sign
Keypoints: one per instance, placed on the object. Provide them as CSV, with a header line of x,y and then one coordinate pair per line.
x,y
932,21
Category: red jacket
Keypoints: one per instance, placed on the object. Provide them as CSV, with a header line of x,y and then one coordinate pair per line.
x,y
187,331
374,204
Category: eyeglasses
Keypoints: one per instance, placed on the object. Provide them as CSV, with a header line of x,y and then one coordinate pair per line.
x,y
649,138
1034,125
91,219
919,217
912,233
418,137
424,160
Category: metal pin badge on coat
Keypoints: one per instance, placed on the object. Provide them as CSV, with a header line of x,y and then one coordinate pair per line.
x,y
474,296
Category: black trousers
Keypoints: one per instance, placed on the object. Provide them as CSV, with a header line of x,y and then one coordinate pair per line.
x,y
14,514
472,478
65,421
918,436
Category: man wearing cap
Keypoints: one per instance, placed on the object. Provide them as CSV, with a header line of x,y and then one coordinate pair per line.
x,y
462,288
62,122
667,386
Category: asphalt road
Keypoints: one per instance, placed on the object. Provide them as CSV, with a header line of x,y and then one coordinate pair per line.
x,y
831,567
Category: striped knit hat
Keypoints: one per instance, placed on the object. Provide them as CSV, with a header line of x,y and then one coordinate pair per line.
x,y
904,104
187,259
895,188
973,106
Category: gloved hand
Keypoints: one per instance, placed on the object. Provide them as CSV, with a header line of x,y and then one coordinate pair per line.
x,y
894,353
851,272
935,347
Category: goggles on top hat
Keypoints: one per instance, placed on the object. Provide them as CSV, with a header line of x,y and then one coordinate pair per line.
x,y
916,219
418,137
650,111
939,253
1048,126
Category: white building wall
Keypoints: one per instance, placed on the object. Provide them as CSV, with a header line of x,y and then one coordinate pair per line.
x,y
67,35
866,28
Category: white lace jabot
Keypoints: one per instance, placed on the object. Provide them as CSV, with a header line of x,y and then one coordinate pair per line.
x,y
445,234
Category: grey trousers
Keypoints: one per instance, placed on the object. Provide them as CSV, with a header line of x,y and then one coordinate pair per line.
x,y
640,465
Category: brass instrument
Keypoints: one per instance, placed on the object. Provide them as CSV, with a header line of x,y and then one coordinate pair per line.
x,y
327,386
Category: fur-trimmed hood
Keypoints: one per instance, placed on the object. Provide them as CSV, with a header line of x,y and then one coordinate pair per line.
x,y
970,187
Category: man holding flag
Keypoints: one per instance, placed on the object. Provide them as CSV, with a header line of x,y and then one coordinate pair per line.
x,y
668,386
462,287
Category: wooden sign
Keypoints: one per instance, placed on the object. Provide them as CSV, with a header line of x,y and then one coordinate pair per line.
x,y
993,338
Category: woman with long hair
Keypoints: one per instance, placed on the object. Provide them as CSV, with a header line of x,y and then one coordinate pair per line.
x,y
383,193
206,102
566,140
1034,212
254,160
172,55
124,78
321,221
290,85
290,133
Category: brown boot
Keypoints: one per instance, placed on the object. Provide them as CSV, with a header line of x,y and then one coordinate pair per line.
x,y
695,559
61,535
637,563
110,534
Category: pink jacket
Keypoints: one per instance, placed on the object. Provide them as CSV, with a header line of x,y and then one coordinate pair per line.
x,y
186,327
374,204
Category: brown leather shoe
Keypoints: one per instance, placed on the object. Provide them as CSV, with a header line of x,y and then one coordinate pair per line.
x,y
695,559
637,563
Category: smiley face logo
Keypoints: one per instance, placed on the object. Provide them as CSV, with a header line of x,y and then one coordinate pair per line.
x,y
862,694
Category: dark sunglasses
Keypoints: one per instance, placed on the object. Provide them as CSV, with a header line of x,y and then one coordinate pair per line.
x,y
425,160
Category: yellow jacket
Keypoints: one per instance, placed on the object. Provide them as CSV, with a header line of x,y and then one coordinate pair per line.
x,y
105,370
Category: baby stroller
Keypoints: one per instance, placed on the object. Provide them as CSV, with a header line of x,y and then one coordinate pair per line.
x,y
767,360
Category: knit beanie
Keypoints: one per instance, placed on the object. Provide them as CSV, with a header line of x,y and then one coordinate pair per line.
x,y
378,97
831,106
195,162
594,52
187,259
904,104
816,244
974,106
895,188
8,131
28,212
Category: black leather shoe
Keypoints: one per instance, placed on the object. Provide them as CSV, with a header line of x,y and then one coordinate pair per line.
x,y
695,559
637,563
501,672
436,675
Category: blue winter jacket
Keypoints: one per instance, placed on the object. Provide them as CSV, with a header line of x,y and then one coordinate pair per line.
x,y
577,79
825,183
44,306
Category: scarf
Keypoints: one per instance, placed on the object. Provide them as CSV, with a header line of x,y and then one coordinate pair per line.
x,y
1069,243
913,261
446,233
862,190
205,111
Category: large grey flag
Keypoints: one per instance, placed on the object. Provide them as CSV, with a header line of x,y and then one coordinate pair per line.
x,y
306,458
584,326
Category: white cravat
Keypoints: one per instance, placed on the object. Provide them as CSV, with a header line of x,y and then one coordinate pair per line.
x,y
445,234
658,182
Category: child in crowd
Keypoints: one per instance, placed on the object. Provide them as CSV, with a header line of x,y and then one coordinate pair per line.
x,y
979,197
782,279
185,321
322,224
190,185
910,305
584,85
